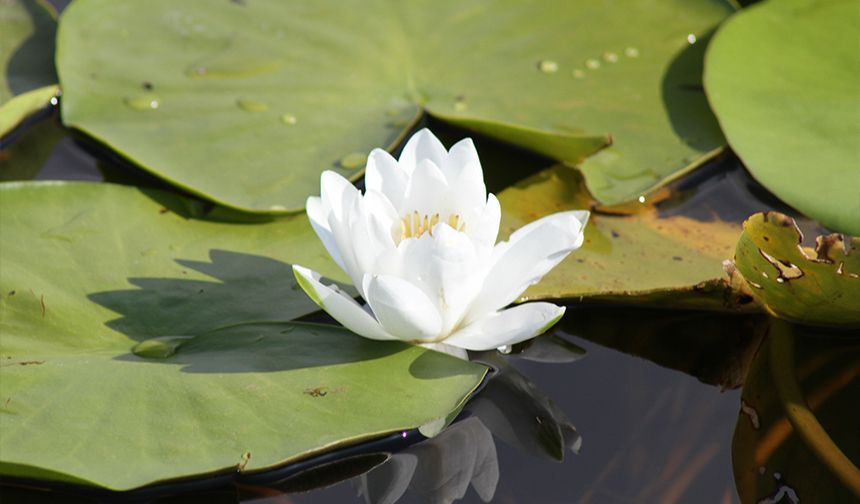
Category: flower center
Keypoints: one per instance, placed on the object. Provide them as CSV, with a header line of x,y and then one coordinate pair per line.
x,y
414,225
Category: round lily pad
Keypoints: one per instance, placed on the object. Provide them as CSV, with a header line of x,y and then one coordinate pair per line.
x,y
142,344
245,103
784,80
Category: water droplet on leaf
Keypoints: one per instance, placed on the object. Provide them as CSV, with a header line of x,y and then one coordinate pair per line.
x,y
353,161
610,57
548,66
578,73
691,38
289,119
592,63
143,102
159,348
251,105
631,52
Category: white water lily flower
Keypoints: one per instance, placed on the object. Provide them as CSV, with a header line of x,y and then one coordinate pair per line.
x,y
420,247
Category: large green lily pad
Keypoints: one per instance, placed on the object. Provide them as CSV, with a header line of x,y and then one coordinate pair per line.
x,y
784,80
245,103
28,81
643,258
796,436
820,286
142,345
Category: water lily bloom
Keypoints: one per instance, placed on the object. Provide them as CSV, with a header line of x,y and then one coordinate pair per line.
x,y
420,248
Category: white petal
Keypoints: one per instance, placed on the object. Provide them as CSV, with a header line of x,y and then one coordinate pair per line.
x,y
446,267
340,227
384,175
341,307
318,215
507,327
531,253
336,192
370,230
486,230
426,190
561,218
462,154
382,218
402,308
423,145
451,350
467,177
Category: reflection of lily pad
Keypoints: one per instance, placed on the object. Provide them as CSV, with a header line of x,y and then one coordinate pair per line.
x,y
641,258
819,286
796,436
140,344
28,80
783,77
246,103
715,348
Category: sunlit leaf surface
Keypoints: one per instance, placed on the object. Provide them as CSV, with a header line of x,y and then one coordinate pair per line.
x,y
142,344
245,103
783,77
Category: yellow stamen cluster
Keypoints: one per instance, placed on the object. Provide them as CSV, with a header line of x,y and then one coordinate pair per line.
x,y
414,225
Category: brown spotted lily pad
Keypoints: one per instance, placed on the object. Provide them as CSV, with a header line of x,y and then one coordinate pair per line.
x,y
818,286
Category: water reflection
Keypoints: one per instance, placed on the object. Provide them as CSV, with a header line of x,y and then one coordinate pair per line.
x,y
509,408
438,470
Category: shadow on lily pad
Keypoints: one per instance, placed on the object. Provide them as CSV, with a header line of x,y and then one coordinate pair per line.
x,y
237,317
684,96
31,66
237,288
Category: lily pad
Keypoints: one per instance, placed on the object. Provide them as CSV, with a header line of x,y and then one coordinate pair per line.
x,y
784,80
820,286
643,258
29,80
245,103
141,344
796,435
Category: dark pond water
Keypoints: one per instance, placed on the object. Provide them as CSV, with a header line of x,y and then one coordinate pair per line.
x,y
648,398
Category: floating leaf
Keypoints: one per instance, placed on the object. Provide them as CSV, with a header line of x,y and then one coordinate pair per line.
x,y
819,286
245,103
784,80
644,258
28,79
796,435
141,344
